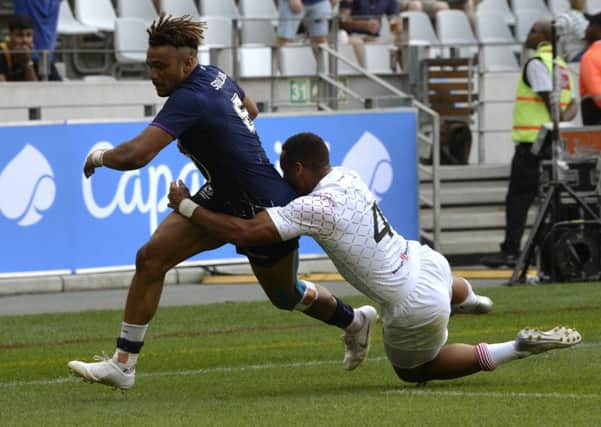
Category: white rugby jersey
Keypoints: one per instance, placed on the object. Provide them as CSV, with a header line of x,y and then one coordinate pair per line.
x,y
342,215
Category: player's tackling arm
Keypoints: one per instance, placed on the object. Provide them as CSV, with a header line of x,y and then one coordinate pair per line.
x,y
132,154
251,107
242,232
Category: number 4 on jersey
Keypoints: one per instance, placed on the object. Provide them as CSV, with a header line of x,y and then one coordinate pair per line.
x,y
380,221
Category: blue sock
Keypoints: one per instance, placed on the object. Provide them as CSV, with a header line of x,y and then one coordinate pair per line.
x,y
343,316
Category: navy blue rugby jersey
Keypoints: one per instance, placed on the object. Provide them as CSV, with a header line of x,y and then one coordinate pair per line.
x,y
206,114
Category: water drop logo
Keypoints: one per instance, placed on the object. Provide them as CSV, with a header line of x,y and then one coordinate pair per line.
x,y
371,160
27,187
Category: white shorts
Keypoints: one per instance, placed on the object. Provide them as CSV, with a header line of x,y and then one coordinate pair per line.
x,y
416,329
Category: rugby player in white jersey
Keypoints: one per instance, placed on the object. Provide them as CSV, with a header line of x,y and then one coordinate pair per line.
x,y
412,283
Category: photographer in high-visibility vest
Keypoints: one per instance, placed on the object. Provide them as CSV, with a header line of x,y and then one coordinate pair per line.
x,y
532,109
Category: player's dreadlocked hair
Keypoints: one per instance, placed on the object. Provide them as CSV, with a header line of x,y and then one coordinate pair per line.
x,y
177,31
309,149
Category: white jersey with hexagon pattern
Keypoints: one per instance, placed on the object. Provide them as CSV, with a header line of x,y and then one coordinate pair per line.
x,y
342,215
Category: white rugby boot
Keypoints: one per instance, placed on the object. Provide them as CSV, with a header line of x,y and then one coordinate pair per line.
x,y
356,345
104,371
535,341
479,305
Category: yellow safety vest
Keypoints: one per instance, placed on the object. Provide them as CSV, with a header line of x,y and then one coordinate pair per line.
x,y
7,55
530,111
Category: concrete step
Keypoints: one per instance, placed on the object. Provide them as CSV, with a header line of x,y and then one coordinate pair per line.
x,y
462,193
473,241
466,172
472,217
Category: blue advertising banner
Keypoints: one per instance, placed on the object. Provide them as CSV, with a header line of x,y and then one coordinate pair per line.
x,y
52,218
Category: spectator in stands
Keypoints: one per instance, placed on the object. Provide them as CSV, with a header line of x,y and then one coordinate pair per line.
x,y
532,109
44,14
16,63
571,26
362,20
590,73
316,12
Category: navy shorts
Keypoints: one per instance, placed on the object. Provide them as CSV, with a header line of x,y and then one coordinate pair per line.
x,y
242,207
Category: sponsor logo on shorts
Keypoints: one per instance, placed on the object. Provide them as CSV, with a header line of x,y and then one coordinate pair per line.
x,y
27,187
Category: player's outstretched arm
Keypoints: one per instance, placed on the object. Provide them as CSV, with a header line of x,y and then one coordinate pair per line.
x,y
242,232
133,154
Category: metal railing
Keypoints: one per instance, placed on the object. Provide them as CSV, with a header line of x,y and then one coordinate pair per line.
x,y
428,131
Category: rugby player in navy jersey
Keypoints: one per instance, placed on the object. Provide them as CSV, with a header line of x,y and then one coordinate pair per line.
x,y
212,119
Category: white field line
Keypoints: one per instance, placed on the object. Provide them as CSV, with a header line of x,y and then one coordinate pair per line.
x,y
414,392
191,372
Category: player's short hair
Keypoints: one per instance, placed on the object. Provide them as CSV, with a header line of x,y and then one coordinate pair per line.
x,y
19,22
176,31
308,149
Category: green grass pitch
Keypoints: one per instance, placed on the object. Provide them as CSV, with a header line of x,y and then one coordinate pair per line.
x,y
249,364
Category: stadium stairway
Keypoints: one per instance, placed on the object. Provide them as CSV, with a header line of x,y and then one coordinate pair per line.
x,y
472,215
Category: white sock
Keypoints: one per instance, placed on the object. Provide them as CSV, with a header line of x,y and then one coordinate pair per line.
x,y
491,355
357,323
134,333
471,297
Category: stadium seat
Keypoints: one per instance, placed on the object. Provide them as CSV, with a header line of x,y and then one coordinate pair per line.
x,y
418,30
528,5
258,8
180,7
219,8
497,6
257,31
377,58
68,25
96,13
559,6
255,61
131,42
524,21
258,19
218,40
218,32
492,29
142,9
297,60
593,6
454,31
495,59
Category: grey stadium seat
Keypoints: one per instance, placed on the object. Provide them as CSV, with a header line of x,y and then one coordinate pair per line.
x,y
454,30
68,25
141,9
96,13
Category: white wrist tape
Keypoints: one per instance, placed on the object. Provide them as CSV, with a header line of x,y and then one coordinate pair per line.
x,y
186,207
97,157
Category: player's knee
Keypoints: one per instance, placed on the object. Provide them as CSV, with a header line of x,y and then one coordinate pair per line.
x,y
419,374
302,297
148,261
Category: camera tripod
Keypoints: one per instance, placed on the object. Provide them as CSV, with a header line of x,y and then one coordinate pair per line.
x,y
551,202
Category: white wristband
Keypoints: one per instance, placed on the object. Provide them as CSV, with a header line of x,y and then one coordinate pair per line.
x,y
186,207
97,157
